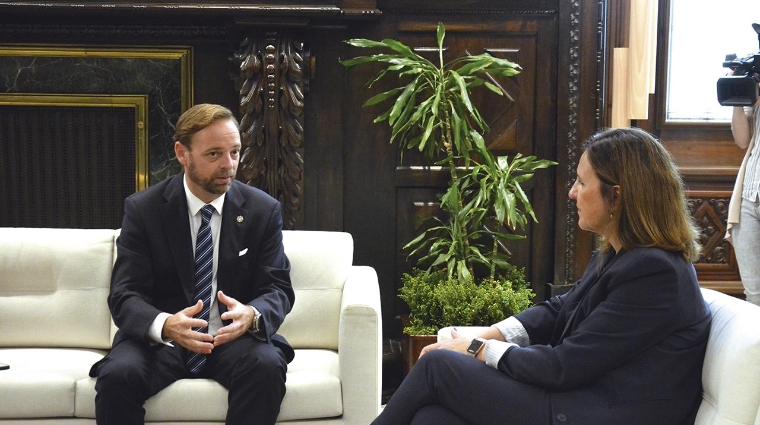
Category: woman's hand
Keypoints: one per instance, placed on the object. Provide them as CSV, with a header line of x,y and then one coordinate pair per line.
x,y
457,343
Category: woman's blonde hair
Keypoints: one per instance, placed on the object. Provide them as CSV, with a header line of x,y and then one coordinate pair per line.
x,y
652,204
199,117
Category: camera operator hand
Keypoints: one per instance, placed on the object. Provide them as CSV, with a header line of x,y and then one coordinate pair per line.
x,y
740,125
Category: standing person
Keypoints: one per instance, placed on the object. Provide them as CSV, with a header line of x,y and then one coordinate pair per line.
x,y
624,346
743,227
217,319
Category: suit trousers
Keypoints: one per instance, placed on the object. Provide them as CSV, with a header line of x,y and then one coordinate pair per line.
x,y
449,388
252,370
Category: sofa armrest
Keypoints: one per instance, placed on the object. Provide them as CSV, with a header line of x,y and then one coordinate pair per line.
x,y
730,375
360,346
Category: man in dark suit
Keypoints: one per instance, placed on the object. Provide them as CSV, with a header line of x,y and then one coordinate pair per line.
x,y
167,330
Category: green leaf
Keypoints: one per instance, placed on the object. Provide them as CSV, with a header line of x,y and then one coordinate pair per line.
x,y
405,121
462,271
480,145
359,60
494,88
429,125
377,78
473,67
526,203
508,236
462,90
523,178
456,127
439,36
403,49
416,240
436,102
363,42
401,101
378,98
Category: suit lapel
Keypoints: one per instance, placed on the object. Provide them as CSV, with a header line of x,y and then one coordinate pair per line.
x,y
570,324
177,226
231,238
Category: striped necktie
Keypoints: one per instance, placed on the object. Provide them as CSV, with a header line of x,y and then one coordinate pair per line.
x,y
204,271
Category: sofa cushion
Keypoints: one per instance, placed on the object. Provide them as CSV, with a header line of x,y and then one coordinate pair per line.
x,y
321,262
313,391
53,287
41,381
731,373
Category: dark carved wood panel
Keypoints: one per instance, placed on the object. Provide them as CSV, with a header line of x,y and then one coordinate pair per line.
x,y
716,267
273,78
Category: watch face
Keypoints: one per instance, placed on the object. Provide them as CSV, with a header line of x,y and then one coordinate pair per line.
x,y
475,346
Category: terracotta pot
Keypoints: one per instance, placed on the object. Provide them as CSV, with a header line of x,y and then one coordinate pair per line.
x,y
413,345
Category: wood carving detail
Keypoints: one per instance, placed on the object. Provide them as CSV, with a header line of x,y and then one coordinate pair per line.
x,y
710,216
573,144
271,84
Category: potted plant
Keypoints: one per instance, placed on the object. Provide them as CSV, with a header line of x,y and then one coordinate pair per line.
x,y
461,269
438,300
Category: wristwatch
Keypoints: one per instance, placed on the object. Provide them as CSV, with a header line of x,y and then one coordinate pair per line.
x,y
475,346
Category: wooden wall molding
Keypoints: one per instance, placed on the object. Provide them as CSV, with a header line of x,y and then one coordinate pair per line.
x,y
343,8
110,32
470,12
581,100
572,152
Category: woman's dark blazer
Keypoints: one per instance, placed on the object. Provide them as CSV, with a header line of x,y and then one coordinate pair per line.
x,y
624,346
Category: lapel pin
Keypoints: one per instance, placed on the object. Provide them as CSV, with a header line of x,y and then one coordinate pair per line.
x,y
240,219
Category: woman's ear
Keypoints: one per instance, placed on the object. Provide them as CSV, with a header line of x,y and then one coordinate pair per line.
x,y
616,191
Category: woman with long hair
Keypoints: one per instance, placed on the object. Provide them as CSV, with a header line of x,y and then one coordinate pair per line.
x,y
624,346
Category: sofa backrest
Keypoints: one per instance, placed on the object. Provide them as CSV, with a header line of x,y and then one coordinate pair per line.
x,y
731,372
320,263
53,287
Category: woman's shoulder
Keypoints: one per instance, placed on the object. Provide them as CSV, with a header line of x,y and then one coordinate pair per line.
x,y
649,259
652,252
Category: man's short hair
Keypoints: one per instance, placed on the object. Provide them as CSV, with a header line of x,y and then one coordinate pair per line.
x,y
199,117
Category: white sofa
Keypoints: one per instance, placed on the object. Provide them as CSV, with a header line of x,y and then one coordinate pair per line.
x,y
54,324
731,372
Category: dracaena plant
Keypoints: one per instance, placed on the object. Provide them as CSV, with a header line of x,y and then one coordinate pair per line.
x,y
485,205
430,111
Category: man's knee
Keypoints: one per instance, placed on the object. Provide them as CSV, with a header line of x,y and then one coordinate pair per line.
x,y
115,376
265,363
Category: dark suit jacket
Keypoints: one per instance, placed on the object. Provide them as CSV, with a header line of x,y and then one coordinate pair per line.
x,y
154,270
624,346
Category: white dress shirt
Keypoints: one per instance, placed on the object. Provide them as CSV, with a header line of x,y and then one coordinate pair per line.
x,y
515,334
194,206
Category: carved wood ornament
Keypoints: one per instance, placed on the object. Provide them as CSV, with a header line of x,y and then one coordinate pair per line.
x,y
272,80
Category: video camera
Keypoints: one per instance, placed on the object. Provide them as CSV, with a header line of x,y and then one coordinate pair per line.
x,y
741,88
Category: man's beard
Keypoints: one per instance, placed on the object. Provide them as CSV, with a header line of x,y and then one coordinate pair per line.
x,y
208,184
